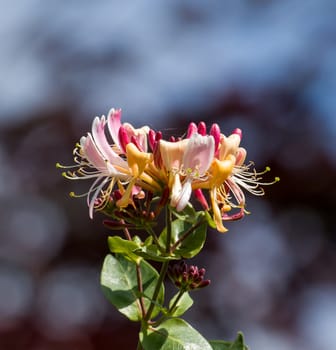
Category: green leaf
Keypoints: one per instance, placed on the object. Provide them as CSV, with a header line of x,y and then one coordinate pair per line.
x,y
238,344
152,252
193,243
125,247
120,286
188,214
221,344
173,333
183,304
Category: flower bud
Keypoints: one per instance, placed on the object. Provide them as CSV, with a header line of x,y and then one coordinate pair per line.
x,y
192,129
187,277
202,128
123,138
215,133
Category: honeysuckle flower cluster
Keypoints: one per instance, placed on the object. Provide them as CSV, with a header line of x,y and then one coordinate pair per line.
x,y
135,176
133,161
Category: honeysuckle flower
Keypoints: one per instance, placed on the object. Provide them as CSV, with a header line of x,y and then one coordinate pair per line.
x,y
137,162
115,154
106,163
189,160
227,177
122,134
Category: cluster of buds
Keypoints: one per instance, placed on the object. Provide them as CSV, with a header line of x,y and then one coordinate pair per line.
x,y
125,163
186,277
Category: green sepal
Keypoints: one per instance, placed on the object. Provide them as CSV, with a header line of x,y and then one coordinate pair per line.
x,y
238,344
173,333
184,303
120,285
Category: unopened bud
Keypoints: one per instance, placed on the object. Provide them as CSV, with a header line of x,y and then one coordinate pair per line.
x,y
202,128
151,138
135,141
123,138
192,129
215,132
187,277
238,132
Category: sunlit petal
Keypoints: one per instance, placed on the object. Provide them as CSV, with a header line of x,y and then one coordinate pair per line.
x,y
199,153
114,123
172,153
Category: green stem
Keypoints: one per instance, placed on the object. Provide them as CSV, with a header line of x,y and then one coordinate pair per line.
x,y
171,309
164,267
139,277
169,219
179,296
140,287
162,275
156,240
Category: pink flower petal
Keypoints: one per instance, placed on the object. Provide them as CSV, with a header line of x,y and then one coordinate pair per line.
x,y
113,123
184,196
99,137
172,153
92,153
199,153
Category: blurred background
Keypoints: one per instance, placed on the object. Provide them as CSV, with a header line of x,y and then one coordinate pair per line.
x,y
267,67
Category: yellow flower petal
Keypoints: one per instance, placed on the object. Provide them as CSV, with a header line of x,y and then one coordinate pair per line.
x,y
217,216
136,159
221,170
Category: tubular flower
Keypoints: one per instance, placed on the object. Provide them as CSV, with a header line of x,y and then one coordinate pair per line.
x,y
186,161
211,165
228,176
122,134
96,159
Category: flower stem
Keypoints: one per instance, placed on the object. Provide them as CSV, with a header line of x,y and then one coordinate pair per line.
x,y
126,232
164,267
139,277
156,240
140,287
162,275
169,219
179,296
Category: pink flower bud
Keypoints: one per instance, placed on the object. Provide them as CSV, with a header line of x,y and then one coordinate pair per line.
x,y
135,141
238,132
151,138
192,129
202,128
215,132
123,138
